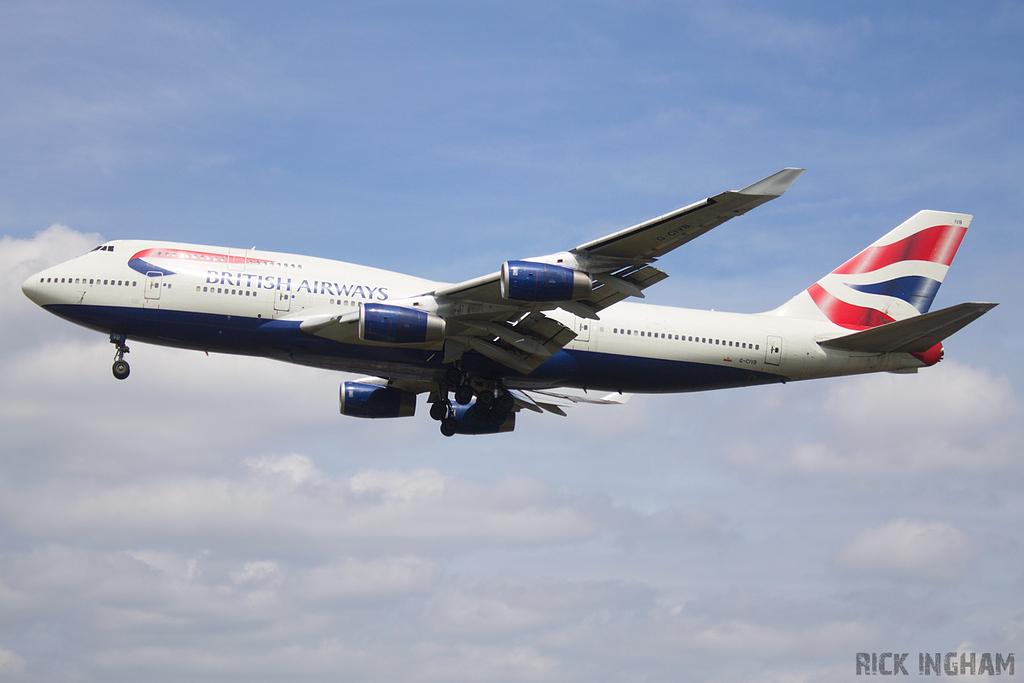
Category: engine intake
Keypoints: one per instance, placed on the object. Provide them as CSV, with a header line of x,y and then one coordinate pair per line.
x,y
530,281
398,325
359,399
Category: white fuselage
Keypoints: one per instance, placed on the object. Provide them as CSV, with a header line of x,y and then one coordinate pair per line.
x,y
244,301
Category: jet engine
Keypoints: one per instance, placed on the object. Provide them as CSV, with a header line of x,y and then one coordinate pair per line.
x,y
398,325
467,420
530,281
359,399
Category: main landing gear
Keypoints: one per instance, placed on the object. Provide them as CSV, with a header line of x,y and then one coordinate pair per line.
x,y
493,403
120,368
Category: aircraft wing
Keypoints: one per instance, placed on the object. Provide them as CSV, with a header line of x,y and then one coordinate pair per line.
x,y
517,334
620,262
658,236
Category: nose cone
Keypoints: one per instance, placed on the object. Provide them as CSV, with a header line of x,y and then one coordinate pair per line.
x,y
29,287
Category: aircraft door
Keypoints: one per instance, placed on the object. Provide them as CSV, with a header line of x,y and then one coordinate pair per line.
x,y
582,329
154,283
773,351
283,301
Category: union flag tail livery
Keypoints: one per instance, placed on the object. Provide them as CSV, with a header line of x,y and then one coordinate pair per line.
x,y
486,349
895,278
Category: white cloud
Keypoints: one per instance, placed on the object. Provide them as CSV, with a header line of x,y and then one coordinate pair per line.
x,y
270,511
357,580
19,258
908,549
10,663
299,469
949,418
949,399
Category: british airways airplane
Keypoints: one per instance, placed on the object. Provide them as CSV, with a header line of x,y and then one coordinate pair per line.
x,y
513,339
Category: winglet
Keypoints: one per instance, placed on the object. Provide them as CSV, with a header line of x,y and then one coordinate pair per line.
x,y
775,184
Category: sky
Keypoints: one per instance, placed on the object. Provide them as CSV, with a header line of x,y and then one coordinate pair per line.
x,y
214,518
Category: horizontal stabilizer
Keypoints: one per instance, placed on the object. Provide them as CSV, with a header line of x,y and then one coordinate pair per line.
x,y
912,335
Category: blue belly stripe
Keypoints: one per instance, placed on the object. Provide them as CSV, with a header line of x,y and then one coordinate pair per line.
x,y
283,340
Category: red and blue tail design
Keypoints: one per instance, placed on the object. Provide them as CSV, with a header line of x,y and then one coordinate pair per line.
x,y
893,279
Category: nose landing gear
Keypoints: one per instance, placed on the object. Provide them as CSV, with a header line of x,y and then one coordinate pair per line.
x,y
120,368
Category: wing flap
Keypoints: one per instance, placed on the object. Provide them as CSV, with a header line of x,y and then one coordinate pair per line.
x,y
605,294
539,400
523,346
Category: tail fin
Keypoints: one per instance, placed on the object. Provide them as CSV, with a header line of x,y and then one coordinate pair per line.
x,y
893,279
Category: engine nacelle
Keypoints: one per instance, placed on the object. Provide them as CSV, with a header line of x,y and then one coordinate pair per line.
x,y
398,325
530,281
466,422
373,400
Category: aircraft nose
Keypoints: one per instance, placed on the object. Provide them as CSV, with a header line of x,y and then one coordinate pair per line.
x,y
29,287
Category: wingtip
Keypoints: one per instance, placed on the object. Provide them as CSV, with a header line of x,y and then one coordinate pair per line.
x,y
775,184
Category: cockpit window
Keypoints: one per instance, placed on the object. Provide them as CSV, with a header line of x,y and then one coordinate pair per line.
x,y
103,247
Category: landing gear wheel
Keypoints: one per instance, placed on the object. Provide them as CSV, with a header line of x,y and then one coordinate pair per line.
x,y
464,394
484,399
452,377
439,410
448,426
121,369
497,417
505,403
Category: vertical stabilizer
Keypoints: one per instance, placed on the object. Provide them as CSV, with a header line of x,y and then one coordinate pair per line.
x,y
893,279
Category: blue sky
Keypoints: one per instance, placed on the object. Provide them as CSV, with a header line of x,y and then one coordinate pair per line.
x,y
214,518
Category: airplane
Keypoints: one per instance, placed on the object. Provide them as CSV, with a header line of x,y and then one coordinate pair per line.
x,y
515,339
